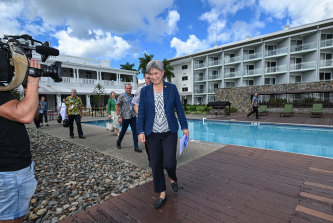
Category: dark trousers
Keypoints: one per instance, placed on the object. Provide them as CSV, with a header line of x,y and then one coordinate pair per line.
x,y
40,117
162,150
77,119
147,150
254,110
37,122
124,126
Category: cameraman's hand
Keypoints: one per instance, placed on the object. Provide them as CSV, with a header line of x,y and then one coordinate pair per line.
x,y
34,63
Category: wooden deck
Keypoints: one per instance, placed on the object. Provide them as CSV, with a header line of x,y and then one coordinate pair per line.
x,y
233,184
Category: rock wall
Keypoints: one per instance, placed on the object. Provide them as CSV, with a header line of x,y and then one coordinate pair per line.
x,y
240,97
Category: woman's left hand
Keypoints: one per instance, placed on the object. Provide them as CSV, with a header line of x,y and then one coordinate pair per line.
x,y
186,133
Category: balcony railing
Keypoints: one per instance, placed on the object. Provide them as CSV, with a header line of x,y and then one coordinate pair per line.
x,y
304,65
212,76
232,59
214,62
199,65
276,69
252,56
199,91
326,63
200,78
276,52
211,89
303,47
252,72
326,43
87,81
232,74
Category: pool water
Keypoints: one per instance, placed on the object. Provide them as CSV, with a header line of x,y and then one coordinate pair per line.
x,y
296,139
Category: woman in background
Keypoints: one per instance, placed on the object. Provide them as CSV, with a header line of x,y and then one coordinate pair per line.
x,y
62,109
157,124
112,112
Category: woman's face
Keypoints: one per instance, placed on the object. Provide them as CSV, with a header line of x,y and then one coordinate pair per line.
x,y
113,95
156,76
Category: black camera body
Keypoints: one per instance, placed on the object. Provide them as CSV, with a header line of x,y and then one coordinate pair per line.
x,y
14,66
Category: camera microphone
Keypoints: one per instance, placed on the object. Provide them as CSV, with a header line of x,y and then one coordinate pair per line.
x,y
45,50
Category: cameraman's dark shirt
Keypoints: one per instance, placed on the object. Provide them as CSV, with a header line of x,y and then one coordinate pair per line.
x,y
14,141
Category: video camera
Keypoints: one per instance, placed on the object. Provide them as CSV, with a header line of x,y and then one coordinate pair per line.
x,y
14,66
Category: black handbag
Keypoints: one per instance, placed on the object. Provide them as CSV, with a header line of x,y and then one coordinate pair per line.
x,y
65,123
59,118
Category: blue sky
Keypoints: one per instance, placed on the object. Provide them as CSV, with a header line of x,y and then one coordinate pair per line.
x,y
121,31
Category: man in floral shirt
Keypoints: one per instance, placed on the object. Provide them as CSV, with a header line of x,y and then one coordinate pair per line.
x,y
74,112
126,114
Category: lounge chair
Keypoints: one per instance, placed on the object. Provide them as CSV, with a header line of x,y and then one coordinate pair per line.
x,y
287,110
317,110
263,110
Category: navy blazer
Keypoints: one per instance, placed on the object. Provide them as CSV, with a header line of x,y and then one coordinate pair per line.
x,y
147,109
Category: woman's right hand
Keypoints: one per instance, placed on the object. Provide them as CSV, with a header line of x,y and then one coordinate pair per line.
x,y
142,137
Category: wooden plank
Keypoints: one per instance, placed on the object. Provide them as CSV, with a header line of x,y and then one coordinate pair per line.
x,y
314,184
321,170
316,197
315,213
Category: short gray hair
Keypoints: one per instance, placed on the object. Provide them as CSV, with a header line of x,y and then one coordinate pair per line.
x,y
73,90
128,85
157,64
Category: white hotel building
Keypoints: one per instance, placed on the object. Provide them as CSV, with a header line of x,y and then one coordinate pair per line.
x,y
293,55
83,75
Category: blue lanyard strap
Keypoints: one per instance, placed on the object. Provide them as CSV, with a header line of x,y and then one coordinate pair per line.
x,y
130,100
74,101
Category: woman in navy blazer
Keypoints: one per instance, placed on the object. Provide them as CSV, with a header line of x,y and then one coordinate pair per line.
x,y
158,126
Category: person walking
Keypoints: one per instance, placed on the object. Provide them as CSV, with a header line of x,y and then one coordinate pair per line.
x,y
136,102
112,112
74,112
62,109
254,106
126,116
43,111
158,126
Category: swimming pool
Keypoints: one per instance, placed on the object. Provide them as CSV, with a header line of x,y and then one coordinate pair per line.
x,y
289,138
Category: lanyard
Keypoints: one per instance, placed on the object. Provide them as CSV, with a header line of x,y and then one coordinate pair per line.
x,y
115,100
74,101
130,100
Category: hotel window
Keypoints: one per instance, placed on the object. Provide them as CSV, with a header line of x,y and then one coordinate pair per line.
x,y
270,81
251,54
298,79
270,49
184,78
216,86
184,89
325,76
184,67
229,84
249,82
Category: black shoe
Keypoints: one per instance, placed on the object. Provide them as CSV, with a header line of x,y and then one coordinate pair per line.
x,y
118,146
72,137
138,150
174,186
82,137
159,202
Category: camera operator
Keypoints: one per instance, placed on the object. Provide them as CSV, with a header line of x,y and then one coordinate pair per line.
x,y
17,180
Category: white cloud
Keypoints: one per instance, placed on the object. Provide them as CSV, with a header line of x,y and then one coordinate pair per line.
x,y
104,46
192,44
298,11
172,19
119,17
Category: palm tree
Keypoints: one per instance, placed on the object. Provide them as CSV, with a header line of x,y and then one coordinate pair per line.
x,y
127,66
144,61
168,70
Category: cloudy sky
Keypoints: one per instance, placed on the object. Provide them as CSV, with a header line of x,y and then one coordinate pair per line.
x,y
122,30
